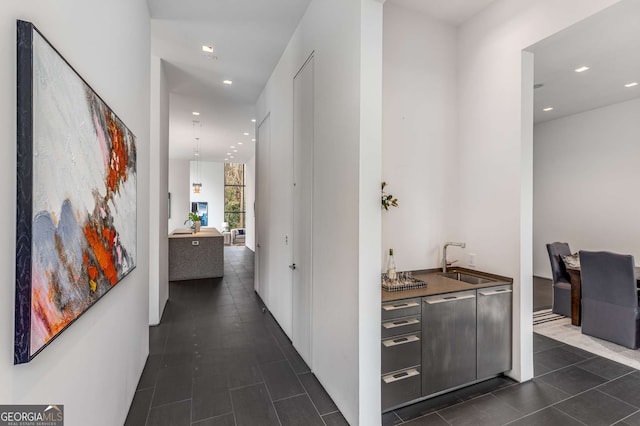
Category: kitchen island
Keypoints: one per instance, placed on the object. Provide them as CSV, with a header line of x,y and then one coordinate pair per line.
x,y
454,332
196,255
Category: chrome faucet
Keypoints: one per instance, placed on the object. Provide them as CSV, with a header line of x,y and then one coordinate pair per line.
x,y
444,254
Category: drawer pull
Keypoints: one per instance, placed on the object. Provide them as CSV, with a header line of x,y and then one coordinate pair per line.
x,y
449,299
394,324
400,306
400,341
400,376
494,292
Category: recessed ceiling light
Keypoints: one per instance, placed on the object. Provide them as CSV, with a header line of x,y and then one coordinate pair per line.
x,y
227,81
232,147
226,159
231,156
239,143
246,134
195,113
253,120
207,49
547,109
253,140
197,153
235,150
581,69
635,83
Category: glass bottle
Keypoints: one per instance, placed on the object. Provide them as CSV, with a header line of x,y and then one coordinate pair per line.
x,y
391,267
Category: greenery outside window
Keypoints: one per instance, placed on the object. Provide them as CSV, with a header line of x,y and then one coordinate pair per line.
x,y
234,197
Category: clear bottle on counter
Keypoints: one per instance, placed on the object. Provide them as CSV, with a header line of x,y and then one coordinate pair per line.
x,y
391,267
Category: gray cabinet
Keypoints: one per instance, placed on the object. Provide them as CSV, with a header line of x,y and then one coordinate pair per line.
x,y
449,341
436,343
494,330
196,256
400,350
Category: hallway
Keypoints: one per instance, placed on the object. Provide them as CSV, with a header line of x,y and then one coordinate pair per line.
x,y
217,359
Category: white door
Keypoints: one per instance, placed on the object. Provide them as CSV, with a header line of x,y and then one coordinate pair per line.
x,y
263,163
303,99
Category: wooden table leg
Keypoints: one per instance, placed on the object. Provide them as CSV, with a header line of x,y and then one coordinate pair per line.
x,y
576,296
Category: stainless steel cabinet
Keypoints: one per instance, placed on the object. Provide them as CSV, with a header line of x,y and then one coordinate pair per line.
x,y
494,330
400,349
448,341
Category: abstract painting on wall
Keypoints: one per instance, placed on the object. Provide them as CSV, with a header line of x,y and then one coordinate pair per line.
x,y
76,196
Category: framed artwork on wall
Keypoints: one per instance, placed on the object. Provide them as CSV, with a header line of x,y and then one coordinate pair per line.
x,y
76,224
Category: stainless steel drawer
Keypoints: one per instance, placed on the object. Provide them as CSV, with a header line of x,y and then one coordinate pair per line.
x,y
400,387
401,352
400,308
399,326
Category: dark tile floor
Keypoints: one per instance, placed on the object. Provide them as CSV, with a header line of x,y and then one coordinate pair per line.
x,y
217,359
571,387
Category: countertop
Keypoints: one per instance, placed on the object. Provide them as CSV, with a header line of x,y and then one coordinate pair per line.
x,y
437,284
204,233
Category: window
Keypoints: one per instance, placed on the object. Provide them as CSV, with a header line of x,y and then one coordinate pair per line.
x,y
234,208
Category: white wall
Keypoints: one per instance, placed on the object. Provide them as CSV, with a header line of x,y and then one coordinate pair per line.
x,y
211,175
158,183
93,367
586,181
346,39
494,154
250,198
180,189
418,138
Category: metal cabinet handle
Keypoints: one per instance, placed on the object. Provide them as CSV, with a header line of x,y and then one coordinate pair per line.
x,y
292,266
400,323
494,292
400,341
400,376
449,299
400,306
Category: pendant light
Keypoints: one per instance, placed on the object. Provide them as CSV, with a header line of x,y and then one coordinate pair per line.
x,y
197,183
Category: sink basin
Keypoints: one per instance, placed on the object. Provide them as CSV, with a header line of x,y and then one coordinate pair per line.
x,y
470,279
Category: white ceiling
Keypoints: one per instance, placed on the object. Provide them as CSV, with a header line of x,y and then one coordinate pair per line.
x,y
608,43
453,12
249,37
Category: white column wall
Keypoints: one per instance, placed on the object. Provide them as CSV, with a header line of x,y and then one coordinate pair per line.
x,y
180,189
159,187
93,367
250,198
211,175
492,147
418,138
585,182
342,267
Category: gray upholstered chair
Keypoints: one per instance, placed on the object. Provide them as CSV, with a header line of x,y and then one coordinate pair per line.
x,y
561,279
237,236
610,297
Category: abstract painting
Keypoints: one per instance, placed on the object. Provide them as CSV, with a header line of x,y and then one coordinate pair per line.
x,y
76,196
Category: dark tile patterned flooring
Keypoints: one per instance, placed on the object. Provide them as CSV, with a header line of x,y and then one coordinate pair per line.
x,y
217,359
571,387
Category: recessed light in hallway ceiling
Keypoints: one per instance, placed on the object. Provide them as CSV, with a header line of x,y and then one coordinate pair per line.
x,y
247,54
